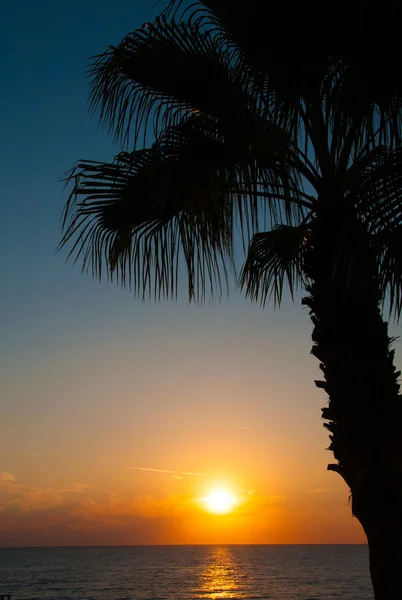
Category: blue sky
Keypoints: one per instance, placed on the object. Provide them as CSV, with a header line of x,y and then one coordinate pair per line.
x,y
46,127
89,374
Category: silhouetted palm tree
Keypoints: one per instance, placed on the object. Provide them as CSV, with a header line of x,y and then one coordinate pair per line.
x,y
280,113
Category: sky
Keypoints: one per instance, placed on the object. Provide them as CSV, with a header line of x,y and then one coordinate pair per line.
x,y
117,417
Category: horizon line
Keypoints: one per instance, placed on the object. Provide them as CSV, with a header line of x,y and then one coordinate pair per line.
x,y
177,545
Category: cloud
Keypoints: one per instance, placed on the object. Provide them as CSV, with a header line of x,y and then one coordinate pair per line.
x,y
27,498
79,514
76,488
7,477
152,470
176,474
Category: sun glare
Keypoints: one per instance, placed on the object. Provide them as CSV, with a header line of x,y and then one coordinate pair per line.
x,y
219,502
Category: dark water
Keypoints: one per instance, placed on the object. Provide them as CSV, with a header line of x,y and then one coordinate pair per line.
x,y
186,572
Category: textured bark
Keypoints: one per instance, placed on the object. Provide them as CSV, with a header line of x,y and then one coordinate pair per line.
x,y
364,411
384,534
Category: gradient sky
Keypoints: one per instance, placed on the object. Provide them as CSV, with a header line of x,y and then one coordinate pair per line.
x,y
94,382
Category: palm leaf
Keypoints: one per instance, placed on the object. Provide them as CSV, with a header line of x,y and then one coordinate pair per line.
x,y
376,184
219,91
139,244
136,216
353,77
275,258
162,72
388,247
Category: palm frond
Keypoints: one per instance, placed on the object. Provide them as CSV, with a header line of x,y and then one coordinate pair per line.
x,y
387,245
244,110
162,72
275,258
376,183
136,216
131,225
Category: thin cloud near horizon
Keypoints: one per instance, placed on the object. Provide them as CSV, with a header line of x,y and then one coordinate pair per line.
x,y
175,474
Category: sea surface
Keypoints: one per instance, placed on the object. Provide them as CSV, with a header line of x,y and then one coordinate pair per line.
x,y
186,572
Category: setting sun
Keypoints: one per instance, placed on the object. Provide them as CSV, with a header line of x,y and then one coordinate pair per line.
x,y
219,502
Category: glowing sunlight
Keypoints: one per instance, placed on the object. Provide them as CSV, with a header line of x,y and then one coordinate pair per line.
x,y
219,501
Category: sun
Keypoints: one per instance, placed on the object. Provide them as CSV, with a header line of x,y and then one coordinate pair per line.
x,y
219,502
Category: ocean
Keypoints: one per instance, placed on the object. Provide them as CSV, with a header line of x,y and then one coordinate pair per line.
x,y
186,572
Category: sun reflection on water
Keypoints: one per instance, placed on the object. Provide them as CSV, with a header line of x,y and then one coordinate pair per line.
x,y
221,576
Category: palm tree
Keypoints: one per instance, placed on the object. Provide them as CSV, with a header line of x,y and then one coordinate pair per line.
x,y
279,117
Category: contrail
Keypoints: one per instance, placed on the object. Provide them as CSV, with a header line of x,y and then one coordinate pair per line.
x,y
153,470
176,473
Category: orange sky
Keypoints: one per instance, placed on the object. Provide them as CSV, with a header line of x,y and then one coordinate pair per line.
x,y
83,515
219,396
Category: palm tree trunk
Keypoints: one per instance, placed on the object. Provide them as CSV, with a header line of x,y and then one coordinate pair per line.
x,y
384,534
365,410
